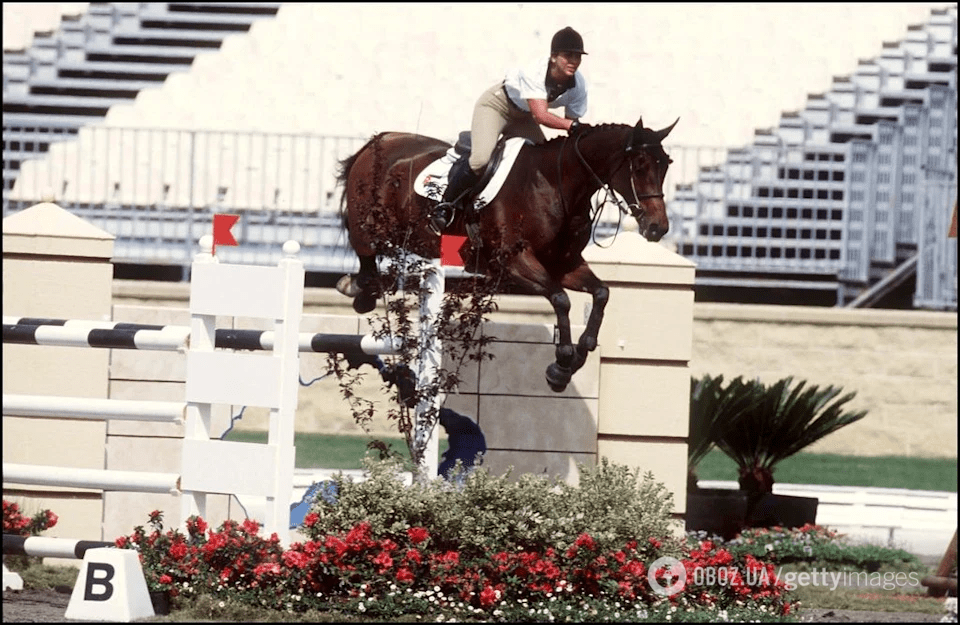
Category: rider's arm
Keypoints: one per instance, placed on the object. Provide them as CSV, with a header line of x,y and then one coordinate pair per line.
x,y
538,108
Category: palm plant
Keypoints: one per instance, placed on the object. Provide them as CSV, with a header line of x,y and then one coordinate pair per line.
x,y
779,421
711,408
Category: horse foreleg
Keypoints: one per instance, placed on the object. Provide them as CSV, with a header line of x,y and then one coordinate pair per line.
x,y
559,373
583,279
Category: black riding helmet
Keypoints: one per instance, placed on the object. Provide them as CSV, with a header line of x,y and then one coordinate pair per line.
x,y
566,40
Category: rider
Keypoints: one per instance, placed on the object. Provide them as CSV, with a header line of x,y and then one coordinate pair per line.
x,y
517,106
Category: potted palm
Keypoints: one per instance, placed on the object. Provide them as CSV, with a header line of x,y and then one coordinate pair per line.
x,y
715,510
773,423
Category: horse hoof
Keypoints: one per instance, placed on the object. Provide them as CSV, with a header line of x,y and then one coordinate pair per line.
x,y
558,377
364,303
348,286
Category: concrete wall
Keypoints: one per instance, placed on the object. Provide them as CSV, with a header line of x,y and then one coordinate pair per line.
x,y
902,365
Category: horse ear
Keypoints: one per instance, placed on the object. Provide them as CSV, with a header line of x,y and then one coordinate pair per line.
x,y
662,134
639,125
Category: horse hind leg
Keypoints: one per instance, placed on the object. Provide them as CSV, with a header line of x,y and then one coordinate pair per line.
x,y
363,287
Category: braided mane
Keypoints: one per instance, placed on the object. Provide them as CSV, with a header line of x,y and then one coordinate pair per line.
x,y
589,131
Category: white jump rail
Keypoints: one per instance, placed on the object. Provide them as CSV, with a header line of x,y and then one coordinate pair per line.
x,y
217,376
267,379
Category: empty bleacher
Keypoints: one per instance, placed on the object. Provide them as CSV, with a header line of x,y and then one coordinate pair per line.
x,y
69,78
852,193
846,198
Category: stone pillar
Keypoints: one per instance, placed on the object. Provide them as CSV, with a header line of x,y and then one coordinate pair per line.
x,y
645,347
56,265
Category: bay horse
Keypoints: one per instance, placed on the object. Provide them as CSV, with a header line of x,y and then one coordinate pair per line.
x,y
531,234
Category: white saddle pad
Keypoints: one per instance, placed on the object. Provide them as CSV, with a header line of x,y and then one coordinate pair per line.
x,y
432,181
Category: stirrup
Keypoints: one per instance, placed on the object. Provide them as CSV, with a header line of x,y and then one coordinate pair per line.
x,y
442,216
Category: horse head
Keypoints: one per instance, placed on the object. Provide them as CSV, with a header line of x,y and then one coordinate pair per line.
x,y
641,182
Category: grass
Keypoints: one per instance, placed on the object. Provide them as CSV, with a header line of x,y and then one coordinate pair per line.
x,y
870,599
938,474
342,451
329,451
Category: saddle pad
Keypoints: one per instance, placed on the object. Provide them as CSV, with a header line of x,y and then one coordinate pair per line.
x,y
432,181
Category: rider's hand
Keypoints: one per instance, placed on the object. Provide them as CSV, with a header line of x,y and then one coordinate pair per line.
x,y
577,127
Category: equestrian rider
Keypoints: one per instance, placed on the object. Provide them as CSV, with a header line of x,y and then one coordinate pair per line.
x,y
517,106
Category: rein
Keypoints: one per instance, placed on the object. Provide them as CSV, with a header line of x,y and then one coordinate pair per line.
x,y
632,209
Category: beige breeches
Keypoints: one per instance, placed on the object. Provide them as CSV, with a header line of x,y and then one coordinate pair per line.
x,y
494,114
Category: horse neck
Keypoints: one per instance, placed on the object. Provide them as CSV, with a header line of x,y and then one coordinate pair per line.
x,y
600,153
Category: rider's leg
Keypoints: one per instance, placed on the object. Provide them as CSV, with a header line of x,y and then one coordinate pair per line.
x,y
489,118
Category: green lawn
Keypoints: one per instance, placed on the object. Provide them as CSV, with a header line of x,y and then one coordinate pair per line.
x,y
836,470
344,452
329,451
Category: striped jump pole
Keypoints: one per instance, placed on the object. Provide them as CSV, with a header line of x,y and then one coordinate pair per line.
x,y
45,547
121,335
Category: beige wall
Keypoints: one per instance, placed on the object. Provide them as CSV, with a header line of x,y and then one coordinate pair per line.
x,y
58,266
902,364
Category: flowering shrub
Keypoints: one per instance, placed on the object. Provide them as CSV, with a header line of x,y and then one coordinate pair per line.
x,y
814,544
400,556
727,578
14,522
192,563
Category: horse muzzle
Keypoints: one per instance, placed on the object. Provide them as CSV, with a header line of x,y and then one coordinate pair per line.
x,y
653,232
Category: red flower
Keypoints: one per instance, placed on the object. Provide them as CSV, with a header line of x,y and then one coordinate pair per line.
x,y
404,575
178,550
656,543
121,542
271,568
413,555
488,596
295,559
384,561
585,540
418,534
311,519
165,579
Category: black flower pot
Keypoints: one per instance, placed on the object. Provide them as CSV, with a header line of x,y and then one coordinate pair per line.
x,y
725,512
720,511
161,602
769,510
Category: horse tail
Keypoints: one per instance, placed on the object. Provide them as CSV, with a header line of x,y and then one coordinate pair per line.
x,y
343,173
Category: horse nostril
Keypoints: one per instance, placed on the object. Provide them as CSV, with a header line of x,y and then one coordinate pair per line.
x,y
653,232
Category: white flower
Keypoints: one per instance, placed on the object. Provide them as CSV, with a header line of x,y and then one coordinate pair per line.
x,y
222,604
361,607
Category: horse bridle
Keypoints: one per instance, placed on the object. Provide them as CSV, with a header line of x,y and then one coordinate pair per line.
x,y
632,209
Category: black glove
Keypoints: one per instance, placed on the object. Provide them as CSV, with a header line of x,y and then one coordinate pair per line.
x,y
577,127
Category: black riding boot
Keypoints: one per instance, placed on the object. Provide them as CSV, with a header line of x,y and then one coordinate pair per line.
x,y
461,181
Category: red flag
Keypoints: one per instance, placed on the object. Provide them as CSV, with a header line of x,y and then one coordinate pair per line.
x,y
450,245
221,230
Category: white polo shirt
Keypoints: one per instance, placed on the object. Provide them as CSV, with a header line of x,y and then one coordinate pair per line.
x,y
530,81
